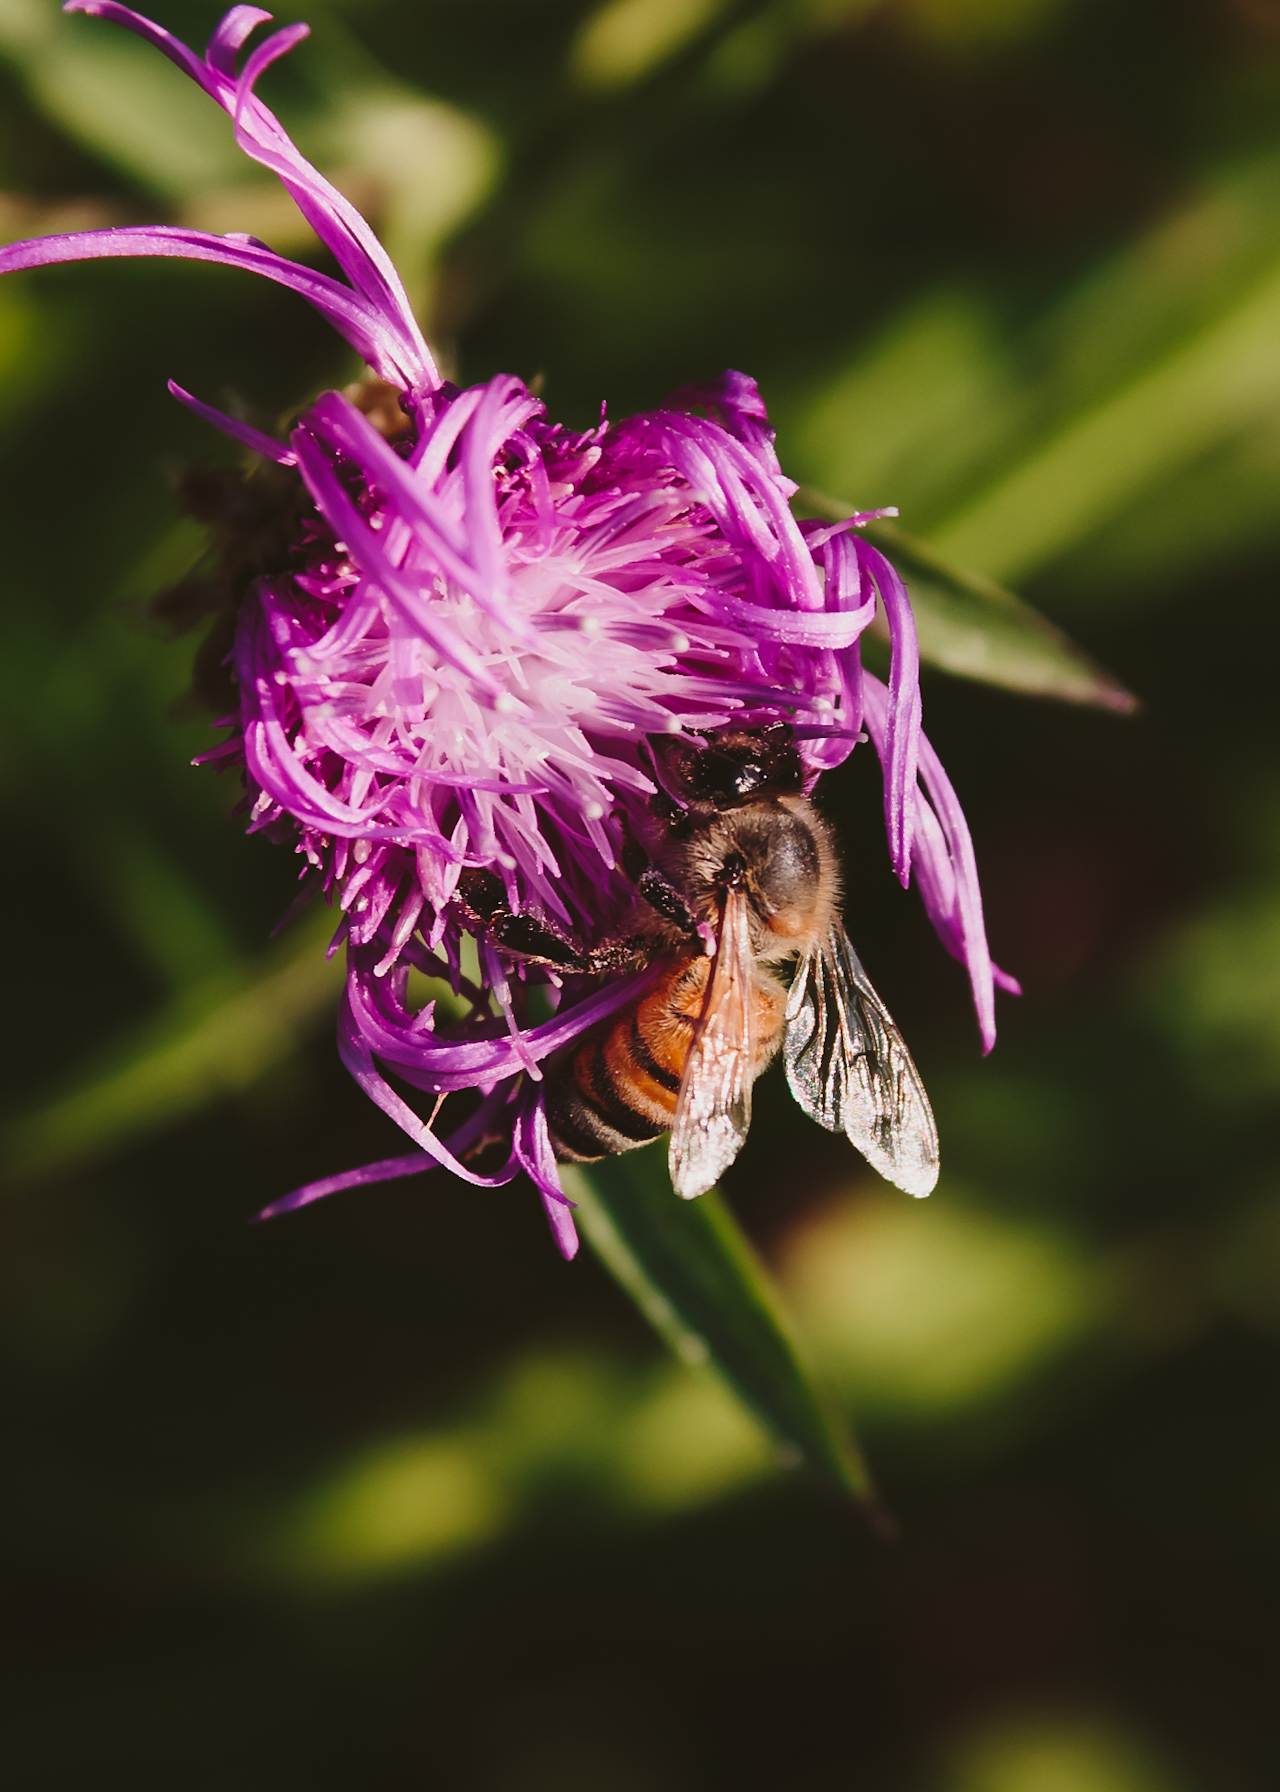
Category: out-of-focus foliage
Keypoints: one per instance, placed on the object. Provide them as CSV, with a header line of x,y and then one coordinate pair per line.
x,y
700,1285
386,1492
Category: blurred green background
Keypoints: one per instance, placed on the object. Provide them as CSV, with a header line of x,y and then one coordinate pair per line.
x,y
386,1494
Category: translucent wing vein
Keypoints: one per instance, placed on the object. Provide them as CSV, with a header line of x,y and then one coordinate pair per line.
x,y
850,1070
713,1111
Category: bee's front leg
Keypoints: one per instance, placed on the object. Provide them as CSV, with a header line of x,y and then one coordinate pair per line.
x,y
666,900
534,938
664,897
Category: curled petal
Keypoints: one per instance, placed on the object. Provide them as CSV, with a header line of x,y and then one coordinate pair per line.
x,y
244,433
230,35
902,742
537,1160
482,1056
945,868
801,628
350,315
386,1170
358,1059
337,223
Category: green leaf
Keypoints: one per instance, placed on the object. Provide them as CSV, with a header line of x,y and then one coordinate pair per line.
x,y
974,628
119,99
1218,383
694,1276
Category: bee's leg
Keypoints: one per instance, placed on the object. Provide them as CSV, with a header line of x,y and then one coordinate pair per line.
x,y
533,938
665,899
657,889
617,955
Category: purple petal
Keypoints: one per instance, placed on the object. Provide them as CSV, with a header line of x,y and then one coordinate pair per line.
x,y
342,512
945,868
537,1159
903,738
486,1054
154,34
244,433
819,534
735,399
230,34
358,1059
802,628
349,315
386,1170
336,421
403,355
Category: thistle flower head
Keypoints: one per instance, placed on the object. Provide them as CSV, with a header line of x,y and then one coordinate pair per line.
x,y
479,625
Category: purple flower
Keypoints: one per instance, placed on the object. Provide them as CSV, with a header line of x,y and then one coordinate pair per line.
x,y
480,621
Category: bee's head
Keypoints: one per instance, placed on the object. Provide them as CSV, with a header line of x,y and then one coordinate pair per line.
x,y
778,854
732,816
725,770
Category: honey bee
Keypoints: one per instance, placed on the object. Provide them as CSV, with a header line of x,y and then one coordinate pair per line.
x,y
741,861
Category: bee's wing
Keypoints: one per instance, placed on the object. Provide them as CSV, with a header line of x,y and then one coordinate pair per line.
x,y
713,1110
850,1071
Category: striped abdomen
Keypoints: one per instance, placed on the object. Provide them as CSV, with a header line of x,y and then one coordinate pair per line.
x,y
619,1088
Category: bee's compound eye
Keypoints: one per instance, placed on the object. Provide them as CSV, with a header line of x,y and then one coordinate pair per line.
x,y
728,778
729,771
749,778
